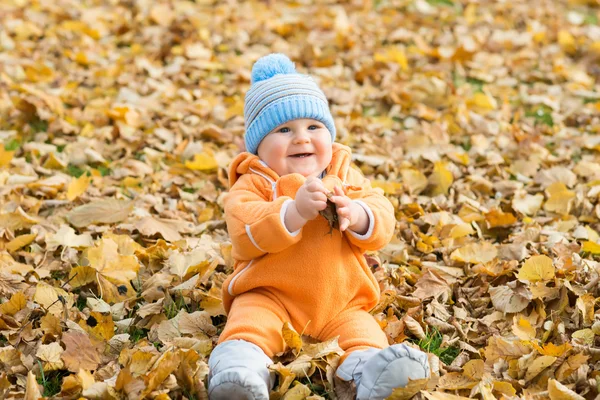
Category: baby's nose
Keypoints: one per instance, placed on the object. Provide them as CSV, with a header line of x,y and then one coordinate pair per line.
x,y
300,139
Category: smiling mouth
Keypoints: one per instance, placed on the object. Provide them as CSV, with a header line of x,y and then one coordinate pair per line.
x,y
301,155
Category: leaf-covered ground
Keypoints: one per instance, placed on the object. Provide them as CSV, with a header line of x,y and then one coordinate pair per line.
x,y
480,120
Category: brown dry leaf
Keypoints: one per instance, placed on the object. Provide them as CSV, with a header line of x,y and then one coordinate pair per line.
x,y
441,396
164,366
500,348
195,323
105,211
431,285
407,392
79,352
558,391
322,349
455,381
150,226
508,299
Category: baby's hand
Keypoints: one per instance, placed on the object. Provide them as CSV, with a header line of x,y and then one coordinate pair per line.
x,y
349,213
311,198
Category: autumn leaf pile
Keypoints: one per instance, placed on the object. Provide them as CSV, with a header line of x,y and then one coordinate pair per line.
x,y
480,120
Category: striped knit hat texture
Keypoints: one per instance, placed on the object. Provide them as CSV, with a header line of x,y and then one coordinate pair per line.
x,y
279,94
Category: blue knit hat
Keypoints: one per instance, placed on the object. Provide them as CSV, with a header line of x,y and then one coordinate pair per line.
x,y
280,94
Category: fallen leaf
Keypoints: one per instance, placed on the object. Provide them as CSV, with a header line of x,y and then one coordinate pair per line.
x,y
105,211
78,186
32,389
291,337
79,352
475,253
537,268
558,391
50,354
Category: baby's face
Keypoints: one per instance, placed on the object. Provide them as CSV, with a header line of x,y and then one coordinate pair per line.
x,y
300,146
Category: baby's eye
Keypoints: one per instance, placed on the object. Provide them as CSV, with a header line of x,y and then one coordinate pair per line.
x,y
285,129
313,127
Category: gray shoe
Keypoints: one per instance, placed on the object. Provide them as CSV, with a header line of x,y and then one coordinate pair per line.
x,y
391,368
238,371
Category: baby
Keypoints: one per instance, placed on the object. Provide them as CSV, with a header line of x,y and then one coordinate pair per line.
x,y
287,267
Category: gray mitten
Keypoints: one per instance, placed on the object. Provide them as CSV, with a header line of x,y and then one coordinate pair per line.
x,y
238,371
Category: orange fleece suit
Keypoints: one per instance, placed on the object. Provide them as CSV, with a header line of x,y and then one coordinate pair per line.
x,y
319,282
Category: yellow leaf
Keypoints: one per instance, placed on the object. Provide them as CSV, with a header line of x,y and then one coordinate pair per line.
x,y
571,365
537,268
53,162
100,326
50,355
584,336
202,162
482,101
442,396
550,349
291,337
393,54
388,187
299,392
474,369
522,328
20,241
590,247
414,180
165,365
48,297
560,199
80,276
17,302
498,218
558,391
32,390
480,252
78,186
440,179
410,390
567,41
461,230
504,388
538,365
5,157
585,304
